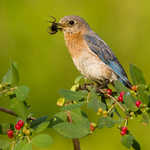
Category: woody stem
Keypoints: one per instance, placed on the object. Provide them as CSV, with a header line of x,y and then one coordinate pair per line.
x,y
76,142
10,112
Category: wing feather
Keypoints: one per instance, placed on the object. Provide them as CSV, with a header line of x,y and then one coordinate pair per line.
x,y
101,49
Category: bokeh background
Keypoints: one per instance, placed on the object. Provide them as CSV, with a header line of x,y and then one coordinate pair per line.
x,y
45,65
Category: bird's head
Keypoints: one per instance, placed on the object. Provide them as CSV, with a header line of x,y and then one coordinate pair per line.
x,y
73,24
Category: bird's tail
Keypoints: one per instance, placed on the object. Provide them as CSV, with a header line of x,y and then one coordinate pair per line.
x,y
126,82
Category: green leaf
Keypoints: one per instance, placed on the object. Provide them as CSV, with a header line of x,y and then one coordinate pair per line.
x,y
143,95
42,140
95,103
38,121
4,144
4,127
120,87
22,92
61,115
72,106
79,127
19,108
130,102
127,140
73,96
41,127
117,113
54,121
78,79
145,118
76,115
136,75
136,145
27,146
72,130
20,145
12,76
105,122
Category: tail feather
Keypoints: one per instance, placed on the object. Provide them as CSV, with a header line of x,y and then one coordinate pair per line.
x,y
127,83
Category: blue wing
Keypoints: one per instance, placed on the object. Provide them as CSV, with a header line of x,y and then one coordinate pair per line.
x,y
100,48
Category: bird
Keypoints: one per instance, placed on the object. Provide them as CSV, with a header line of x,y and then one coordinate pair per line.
x,y
90,54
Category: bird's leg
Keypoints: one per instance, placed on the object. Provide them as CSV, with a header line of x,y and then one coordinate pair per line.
x,y
102,84
85,86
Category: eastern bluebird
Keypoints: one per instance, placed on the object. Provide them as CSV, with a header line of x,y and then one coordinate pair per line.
x,y
90,54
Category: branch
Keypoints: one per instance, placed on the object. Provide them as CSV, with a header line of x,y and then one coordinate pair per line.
x,y
76,142
114,99
10,112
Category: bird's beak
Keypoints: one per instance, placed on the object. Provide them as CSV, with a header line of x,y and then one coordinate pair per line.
x,y
61,25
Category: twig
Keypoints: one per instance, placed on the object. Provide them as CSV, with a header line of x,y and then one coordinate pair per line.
x,y
28,139
13,145
126,122
32,118
76,142
112,106
114,99
88,96
10,112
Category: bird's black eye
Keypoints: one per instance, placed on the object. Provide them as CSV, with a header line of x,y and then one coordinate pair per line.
x,y
71,22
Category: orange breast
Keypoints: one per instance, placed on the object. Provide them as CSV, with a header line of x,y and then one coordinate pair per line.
x,y
75,43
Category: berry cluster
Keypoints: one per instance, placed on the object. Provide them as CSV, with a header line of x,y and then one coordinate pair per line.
x,y
18,126
120,97
124,130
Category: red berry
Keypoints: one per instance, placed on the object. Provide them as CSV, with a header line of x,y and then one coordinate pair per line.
x,y
123,132
109,91
122,93
120,98
92,126
10,133
124,129
20,123
138,103
18,127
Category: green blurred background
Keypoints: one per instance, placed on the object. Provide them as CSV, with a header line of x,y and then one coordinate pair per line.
x,y
45,65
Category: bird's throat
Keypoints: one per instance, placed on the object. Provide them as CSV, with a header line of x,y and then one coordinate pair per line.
x,y
74,43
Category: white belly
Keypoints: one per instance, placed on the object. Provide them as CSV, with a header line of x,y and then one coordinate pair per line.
x,y
93,68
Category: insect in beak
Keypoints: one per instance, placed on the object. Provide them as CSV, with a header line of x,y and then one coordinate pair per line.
x,y
53,29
